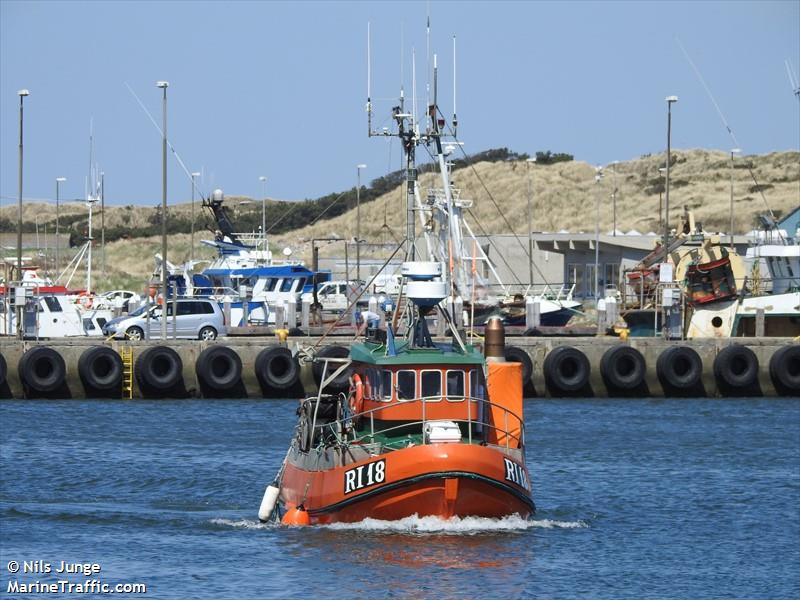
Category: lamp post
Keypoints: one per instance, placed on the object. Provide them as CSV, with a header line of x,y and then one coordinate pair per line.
x,y
530,220
163,85
103,220
358,222
598,175
733,152
670,100
614,197
21,94
191,249
263,181
59,180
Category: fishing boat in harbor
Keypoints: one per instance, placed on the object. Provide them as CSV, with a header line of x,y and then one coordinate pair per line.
x,y
408,427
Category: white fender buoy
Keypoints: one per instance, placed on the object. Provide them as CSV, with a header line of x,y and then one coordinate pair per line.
x,y
268,502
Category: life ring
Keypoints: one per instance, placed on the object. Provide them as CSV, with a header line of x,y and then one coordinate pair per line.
x,y
85,299
566,371
100,370
277,369
219,368
42,370
357,395
623,369
680,371
342,382
159,370
784,369
736,369
514,354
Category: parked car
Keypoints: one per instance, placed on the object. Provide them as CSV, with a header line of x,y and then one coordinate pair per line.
x,y
124,300
197,318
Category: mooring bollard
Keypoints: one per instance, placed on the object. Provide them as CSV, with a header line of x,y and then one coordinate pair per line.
x,y
280,315
601,317
245,305
305,313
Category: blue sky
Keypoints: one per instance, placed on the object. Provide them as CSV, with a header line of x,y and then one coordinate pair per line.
x,y
278,89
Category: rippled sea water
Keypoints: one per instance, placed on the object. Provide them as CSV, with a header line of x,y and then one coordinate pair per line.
x,y
636,498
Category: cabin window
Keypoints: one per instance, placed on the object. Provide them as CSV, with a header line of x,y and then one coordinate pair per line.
x,y
302,283
477,384
386,387
286,285
406,385
455,385
431,385
373,381
269,286
52,304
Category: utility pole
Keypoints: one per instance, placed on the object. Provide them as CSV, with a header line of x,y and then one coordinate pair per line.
x,y
670,101
358,222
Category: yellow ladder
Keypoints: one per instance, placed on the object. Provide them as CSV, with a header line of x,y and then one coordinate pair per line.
x,y
126,353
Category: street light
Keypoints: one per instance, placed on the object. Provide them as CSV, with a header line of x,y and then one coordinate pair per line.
x,y
191,251
530,220
263,181
163,85
59,180
598,175
733,151
670,100
358,222
614,196
21,94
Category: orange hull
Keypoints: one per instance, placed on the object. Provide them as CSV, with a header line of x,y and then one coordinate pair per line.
x,y
443,480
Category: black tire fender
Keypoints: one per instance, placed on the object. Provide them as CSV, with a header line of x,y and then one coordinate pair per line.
x,y
276,368
159,368
784,370
623,368
679,367
42,369
100,368
567,369
342,382
514,354
736,367
219,367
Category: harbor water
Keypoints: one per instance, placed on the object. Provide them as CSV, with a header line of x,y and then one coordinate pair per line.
x,y
636,498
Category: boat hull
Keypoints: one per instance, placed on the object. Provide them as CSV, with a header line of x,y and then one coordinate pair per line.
x,y
442,480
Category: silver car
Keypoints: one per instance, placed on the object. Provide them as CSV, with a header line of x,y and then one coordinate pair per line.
x,y
197,318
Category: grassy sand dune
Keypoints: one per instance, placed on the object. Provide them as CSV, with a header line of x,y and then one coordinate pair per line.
x,y
564,197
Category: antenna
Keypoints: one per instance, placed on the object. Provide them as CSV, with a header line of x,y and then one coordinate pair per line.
x,y
792,79
414,88
455,118
428,69
402,75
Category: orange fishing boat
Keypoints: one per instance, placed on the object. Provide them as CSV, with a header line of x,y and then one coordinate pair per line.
x,y
425,428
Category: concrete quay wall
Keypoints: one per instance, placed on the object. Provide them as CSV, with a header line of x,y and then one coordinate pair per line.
x,y
537,349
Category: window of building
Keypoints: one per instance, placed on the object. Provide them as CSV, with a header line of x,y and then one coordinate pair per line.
x,y
588,281
611,275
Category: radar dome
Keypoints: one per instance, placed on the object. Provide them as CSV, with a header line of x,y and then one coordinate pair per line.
x,y
217,195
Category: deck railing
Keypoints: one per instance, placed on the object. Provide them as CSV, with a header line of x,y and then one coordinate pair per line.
x,y
343,431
